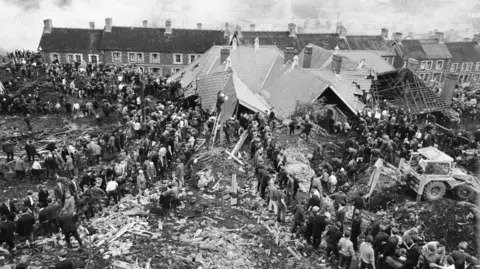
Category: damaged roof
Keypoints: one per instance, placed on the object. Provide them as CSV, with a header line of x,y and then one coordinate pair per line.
x,y
464,51
372,59
71,40
281,39
424,49
155,40
367,42
209,86
323,58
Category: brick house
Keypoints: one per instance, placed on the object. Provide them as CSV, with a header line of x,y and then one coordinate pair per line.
x,y
465,60
162,51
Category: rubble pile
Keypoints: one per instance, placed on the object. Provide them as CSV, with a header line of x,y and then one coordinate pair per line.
x,y
298,165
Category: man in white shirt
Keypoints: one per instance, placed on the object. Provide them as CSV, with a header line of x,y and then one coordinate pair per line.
x,y
36,169
111,189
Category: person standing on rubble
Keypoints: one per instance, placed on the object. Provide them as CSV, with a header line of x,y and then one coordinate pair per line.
x,y
346,251
298,217
319,223
24,226
273,194
43,196
8,149
31,151
141,182
7,230
282,207
356,229
180,173
20,168
69,228
334,234
111,189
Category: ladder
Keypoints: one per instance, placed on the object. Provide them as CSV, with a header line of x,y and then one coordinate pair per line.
x,y
215,127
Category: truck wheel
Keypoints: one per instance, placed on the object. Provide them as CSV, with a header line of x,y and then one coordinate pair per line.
x,y
434,191
464,192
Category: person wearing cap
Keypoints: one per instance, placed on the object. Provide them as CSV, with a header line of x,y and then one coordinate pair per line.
x,y
356,229
414,251
7,230
367,256
346,251
461,257
29,202
43,196
378,243
8,149
63,262
318,226
333,237
298,216
24,227
69,228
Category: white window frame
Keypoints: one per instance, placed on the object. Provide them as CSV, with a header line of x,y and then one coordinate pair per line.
x,y
119,56
81,57
431,65
423,65
463,67
194,59
139,55
469,67
426,78
437,63
158,57
134,57
175,58
477,66
150,70
175,70
57,58
467,78
90,58
70,55
454,67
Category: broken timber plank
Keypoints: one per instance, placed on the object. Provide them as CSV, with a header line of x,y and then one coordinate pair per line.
x,y
235,158
294,253
122,231
199,146
239,144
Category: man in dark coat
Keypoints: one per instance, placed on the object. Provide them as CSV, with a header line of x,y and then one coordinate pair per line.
x,y
8,149
69,228
43,196
25,224
8,209
48,216
7,230
31,151
318,227
356,229
334,234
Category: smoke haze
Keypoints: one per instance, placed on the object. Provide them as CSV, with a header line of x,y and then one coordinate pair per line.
x,y
22,20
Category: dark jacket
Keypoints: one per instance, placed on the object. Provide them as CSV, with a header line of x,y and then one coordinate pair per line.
x,y
356,226
30,149
319,225
25,225
379,240
7,147
65,264
4,211
43,196
413,254
390,247
7,229
334,236
67,223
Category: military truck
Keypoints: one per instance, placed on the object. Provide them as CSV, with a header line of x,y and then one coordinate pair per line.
x,y
430,173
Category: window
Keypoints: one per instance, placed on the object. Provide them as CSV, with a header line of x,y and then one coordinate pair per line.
x,y
55,57
425,78
70,58
139,57
467,78
423,64
454,67
117,56
463,66
460,78
78,58
177,59
475,78
477,66
436,76
154,57
154,70
429,65
439,64
421,76
192,57
175,70
93,58
469,66
131,57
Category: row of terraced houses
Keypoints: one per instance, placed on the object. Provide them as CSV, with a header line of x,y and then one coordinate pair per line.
x,y
165,51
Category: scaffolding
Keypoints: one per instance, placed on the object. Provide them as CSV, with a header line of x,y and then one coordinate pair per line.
x,y
402,88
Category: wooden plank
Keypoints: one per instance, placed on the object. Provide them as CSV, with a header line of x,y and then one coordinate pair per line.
x,y
239,144
122,231
235,158
294,253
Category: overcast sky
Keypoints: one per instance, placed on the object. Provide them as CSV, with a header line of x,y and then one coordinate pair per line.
x,y
22,20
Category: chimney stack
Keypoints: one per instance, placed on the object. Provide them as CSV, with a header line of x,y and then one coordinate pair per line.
x,y
226,32
108,24
145,24
288,54
341,31
440,37
476,38
412,64
252,27
384,33
91,25
397,37
47,26
449,88
168,27
199,26
307,57
336,63
292,28
224,54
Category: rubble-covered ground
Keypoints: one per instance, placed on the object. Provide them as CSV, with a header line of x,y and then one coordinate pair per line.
x,y
215,228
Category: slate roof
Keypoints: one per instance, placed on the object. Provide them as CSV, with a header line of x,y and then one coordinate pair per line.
x,y
209,86
367,42
323,58
326,41
280,39
343,84
155,40
424,49
251,66
464,51
286,84
71,40
372,58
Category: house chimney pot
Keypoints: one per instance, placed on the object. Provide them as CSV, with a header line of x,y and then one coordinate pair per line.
x,y
397,37
91,25
168,27
199,26
226,32
224,54
440,36
288,54
476,38
47,26
307,57
108,24
292,28
145,24
385,33
341,31
412,64
252,27
336,63
449,88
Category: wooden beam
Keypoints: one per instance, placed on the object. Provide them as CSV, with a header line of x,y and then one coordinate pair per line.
x,y
239,144
235,158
